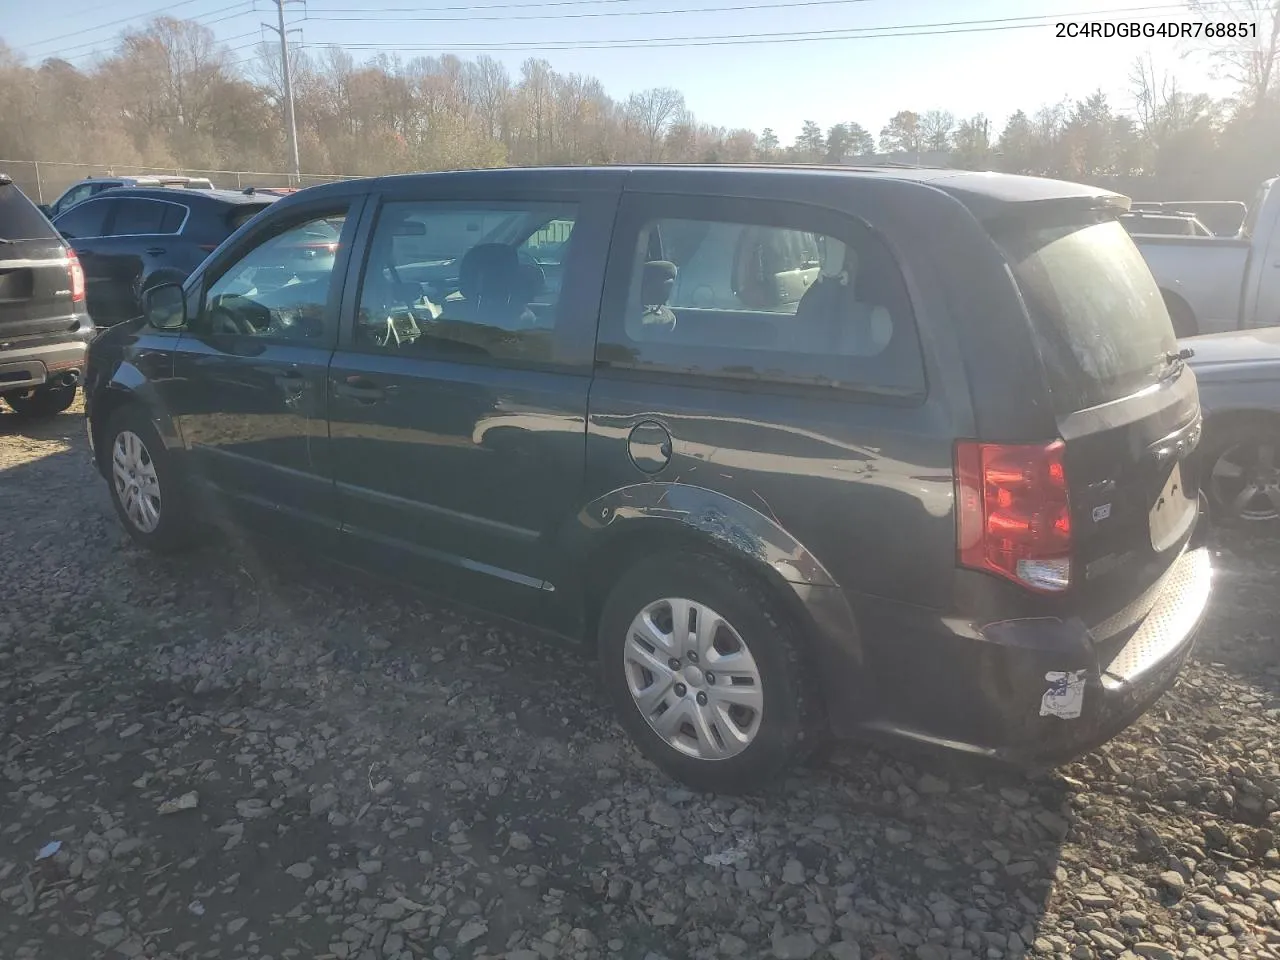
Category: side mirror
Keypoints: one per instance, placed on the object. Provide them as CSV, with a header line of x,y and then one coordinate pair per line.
x,y
165,306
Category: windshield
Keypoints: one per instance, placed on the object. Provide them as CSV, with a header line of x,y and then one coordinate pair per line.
x,y
1100,323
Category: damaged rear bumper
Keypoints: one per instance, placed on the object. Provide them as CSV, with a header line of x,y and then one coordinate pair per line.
x,y
1028,691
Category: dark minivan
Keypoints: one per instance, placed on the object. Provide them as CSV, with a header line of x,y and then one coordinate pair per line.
x,y
797,450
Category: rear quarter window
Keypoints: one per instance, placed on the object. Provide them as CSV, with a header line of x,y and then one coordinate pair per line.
x,y
1098,318
19,218
766,300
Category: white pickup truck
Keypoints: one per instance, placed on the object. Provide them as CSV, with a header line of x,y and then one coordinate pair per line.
x,y
1211,284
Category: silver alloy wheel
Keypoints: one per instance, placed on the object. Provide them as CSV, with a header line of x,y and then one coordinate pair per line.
x,y
693,679
136,485
1245,480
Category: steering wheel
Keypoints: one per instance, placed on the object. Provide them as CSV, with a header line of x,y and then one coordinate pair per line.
x,y
225,322
530,266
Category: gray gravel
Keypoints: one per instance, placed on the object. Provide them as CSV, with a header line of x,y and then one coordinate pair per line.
x,y
238,754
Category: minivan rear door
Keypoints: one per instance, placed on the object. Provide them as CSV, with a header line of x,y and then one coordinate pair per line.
x,y
1125,403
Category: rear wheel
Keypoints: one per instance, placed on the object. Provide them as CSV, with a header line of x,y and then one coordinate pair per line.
x,y
1244,475
42,402
706,675
149,495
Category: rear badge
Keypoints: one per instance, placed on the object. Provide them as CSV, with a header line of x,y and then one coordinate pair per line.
x,y
1065,697
1101,513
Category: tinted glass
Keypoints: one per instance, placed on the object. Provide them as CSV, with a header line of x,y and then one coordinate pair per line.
x,y
244,212
465,280
19,218
279,289
86,219
1097,314
767,302
174,216
136,216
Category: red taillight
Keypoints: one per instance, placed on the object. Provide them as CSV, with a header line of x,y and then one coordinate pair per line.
x,y
75,276
1013,517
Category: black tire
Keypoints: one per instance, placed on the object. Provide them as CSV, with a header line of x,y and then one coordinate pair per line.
x,y
175,529
42,402
1244,445
791,722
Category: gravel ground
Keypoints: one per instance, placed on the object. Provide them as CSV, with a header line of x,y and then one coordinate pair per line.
x,y
236,754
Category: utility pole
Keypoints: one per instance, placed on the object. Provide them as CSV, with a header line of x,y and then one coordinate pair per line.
x,y
288,89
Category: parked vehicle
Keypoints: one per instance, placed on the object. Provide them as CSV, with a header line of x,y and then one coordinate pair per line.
x,y
44,326
92,186
1165,224
129,240
1213,284
1239,378
951,496
1222,218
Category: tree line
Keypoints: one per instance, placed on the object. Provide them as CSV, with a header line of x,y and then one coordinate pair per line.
x,y
170,95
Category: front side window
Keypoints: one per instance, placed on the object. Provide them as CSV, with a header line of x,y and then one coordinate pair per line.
x,y
465,280
84,220
280,288
767,302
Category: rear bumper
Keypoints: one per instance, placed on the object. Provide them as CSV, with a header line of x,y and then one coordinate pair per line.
x,y
24,367
1027,691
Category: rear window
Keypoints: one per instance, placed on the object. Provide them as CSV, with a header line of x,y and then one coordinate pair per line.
x,y
243,213
19,218
1098,317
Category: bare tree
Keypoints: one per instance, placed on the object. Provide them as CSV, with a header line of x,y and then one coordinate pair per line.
x,y
1251,62
652,112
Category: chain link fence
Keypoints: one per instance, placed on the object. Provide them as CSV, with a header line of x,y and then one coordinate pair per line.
x,y
44,180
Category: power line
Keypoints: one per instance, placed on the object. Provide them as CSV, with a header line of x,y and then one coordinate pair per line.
x,y
940,28
61,55
784,4
137,16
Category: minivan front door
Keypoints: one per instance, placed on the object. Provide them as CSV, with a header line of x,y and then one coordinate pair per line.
x,y
458,396
248,392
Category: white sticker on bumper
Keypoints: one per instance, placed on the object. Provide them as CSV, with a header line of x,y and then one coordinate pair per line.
x,y
1065,697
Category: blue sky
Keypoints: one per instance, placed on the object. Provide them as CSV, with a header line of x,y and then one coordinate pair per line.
x,y
1012,59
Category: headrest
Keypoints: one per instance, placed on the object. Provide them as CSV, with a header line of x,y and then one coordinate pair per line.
x,y
488,270
656,283
838,261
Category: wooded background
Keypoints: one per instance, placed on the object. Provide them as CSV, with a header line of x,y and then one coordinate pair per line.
x,y
170,96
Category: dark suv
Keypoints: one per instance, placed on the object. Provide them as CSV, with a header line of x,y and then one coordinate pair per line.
x,y
44,326
948,493
131,239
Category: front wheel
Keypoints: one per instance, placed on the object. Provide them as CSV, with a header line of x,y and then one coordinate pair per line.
x,y
1244,475
706,673
42,402
149,495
